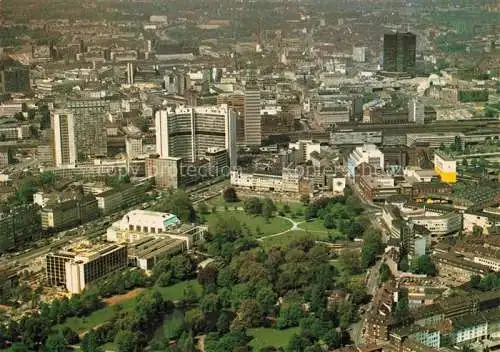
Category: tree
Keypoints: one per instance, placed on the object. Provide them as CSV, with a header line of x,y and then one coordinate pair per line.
x,y
289,316
372,246
47,178
403,264
489,282
268,208
34,331
267,299
178,203
305,199
330,221
355,230
230,195
351,261
203,208
286,208
19,347
402,308
55,343
253,206
207,275
425,266
126,341
474,281
249,313
384,272
70,336
182,267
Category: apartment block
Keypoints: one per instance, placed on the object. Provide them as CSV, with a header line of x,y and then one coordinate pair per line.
x,y
124,196
69,213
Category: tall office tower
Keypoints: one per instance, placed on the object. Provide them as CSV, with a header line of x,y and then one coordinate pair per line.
x,y
188,132
400,52
252,121
89,123
416,111
14,76
64,144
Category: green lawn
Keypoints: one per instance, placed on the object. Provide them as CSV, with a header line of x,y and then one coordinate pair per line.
x,y
170,328
285,239
80,325
110,346
176,292
263,337
314,225
275,224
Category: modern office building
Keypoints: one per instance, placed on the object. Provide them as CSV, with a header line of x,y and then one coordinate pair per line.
x,y
81,264
89,117
14,76
367,153
167,171
64,142
188,132
400,52
252,119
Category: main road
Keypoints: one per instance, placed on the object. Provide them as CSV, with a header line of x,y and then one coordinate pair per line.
x,y
97,227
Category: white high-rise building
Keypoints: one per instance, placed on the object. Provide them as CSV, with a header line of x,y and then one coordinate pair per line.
x,y
63,125
416,111
188,132
252,120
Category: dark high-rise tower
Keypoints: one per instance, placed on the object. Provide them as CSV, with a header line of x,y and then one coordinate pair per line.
x,y
400,52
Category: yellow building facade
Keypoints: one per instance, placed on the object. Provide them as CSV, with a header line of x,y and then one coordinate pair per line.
x,y
445,168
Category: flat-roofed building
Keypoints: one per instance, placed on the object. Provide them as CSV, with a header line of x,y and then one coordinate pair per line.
x,y
146,252
445,167
289,181
138,224
458,268
367,153
79,265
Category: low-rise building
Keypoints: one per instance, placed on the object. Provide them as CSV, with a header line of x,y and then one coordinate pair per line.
x,y
69,213
458,268
20,226
445,167
289,181
138,224
146,252
124,196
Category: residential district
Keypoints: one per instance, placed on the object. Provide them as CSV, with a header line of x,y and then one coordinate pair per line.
x,y
223,176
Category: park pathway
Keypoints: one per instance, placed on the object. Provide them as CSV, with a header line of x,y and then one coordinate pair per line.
x,y
295,227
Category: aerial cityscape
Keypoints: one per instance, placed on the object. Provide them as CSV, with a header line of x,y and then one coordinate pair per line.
x,y
250,175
